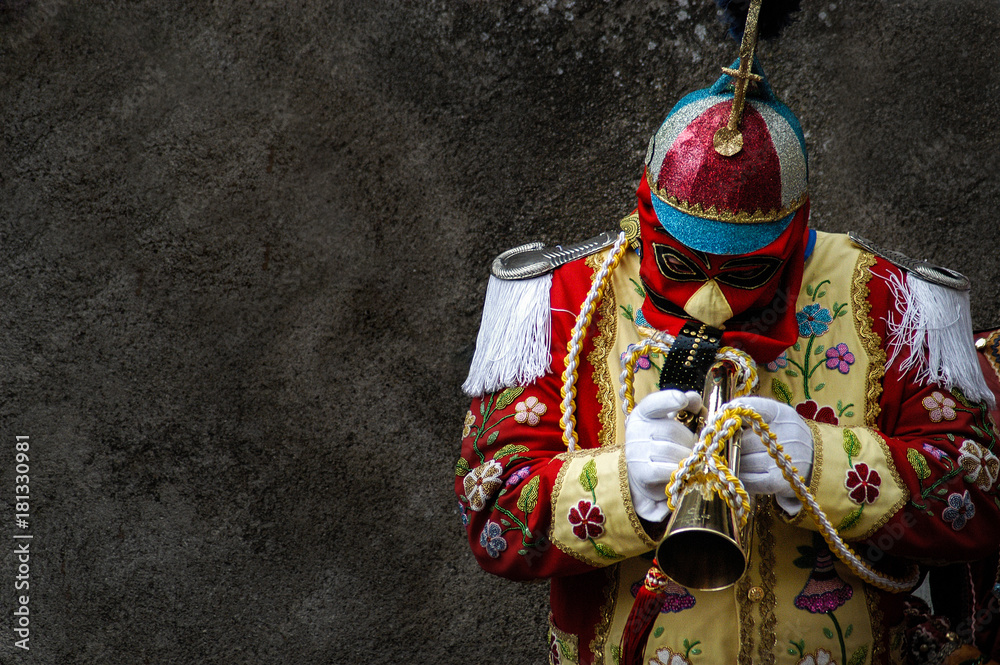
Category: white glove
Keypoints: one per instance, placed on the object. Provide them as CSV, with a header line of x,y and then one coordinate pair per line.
x,y
654,443
760,474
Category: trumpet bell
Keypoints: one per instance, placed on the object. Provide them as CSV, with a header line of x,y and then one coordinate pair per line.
x,y
704,550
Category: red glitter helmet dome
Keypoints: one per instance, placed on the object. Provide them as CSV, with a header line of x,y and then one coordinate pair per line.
x,y
723,185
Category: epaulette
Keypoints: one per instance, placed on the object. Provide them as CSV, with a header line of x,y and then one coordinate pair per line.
x,y
933,333
534,259
515,335
923,269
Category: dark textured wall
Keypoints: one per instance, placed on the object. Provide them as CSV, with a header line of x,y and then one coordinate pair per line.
x,y
244,247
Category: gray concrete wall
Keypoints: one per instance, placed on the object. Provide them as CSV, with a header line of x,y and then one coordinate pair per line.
x,y
244,247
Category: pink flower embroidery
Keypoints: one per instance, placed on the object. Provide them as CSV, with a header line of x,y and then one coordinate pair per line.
x,y
940,407
529,411
863,483
587,520
935,451
811,410
839,358
778,363
980,465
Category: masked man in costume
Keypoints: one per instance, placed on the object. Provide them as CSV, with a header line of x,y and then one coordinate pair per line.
x,y
866,375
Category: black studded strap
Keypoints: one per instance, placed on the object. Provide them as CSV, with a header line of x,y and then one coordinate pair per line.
x,y
690,357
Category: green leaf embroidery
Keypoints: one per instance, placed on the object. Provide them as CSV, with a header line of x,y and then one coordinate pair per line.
x,y
627,312
850,629
944,490
529,496
504,522
821,294
522,552
508,396
797,346
851,444
588,477
658,631
919,464
791,372
804,562
820,386
828,633
461,467
510,449
850,519
819,350
781,390
809,289
858,657
607,552
491,439
849,414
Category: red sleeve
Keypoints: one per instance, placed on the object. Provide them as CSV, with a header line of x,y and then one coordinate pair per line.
x,y
944,449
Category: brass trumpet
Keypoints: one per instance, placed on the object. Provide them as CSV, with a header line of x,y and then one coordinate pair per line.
x,y
702,547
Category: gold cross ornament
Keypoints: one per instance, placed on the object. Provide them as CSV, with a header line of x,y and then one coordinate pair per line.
x,y
728,140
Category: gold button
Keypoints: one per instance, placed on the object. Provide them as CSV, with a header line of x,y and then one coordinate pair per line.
x,y
755,594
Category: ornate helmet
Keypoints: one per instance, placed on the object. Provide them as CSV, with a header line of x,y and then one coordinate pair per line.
x,y
727,170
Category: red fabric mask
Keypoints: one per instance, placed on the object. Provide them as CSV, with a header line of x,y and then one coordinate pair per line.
x,y
752,296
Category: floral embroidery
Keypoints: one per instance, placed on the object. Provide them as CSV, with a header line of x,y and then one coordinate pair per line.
x,y
675,597
642,362
863,483
587,520
959,511
821,657
778,363
940,407
529,411
554,657
482,483
492,539
811,410
934,452
814,320
470,420
839,358
823,593
516,477
464,512
665,656
980,465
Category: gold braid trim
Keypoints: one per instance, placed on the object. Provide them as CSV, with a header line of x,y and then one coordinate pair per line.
x,y
602,629
746,621
764,528
877,621
607,327
870,339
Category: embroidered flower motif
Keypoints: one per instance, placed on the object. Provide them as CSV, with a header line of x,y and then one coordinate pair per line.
x,y
675,597
934,451
863,483
839,358
554,657
824,590
940,407
821,657
492,539
810,409
464,512
642,362
516,477
482,483
529,411
470,420
814,320
665,656
981,466
959,511
587,520
778,363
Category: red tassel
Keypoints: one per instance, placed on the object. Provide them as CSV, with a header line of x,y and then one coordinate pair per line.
x,y
640,622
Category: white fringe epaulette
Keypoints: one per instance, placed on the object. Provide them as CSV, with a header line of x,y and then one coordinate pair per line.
x,y
934,337
513,346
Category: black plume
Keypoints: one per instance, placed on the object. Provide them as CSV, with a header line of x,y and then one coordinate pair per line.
x,y
774,16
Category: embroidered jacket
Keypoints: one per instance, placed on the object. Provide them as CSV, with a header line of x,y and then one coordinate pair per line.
x,y
905,472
